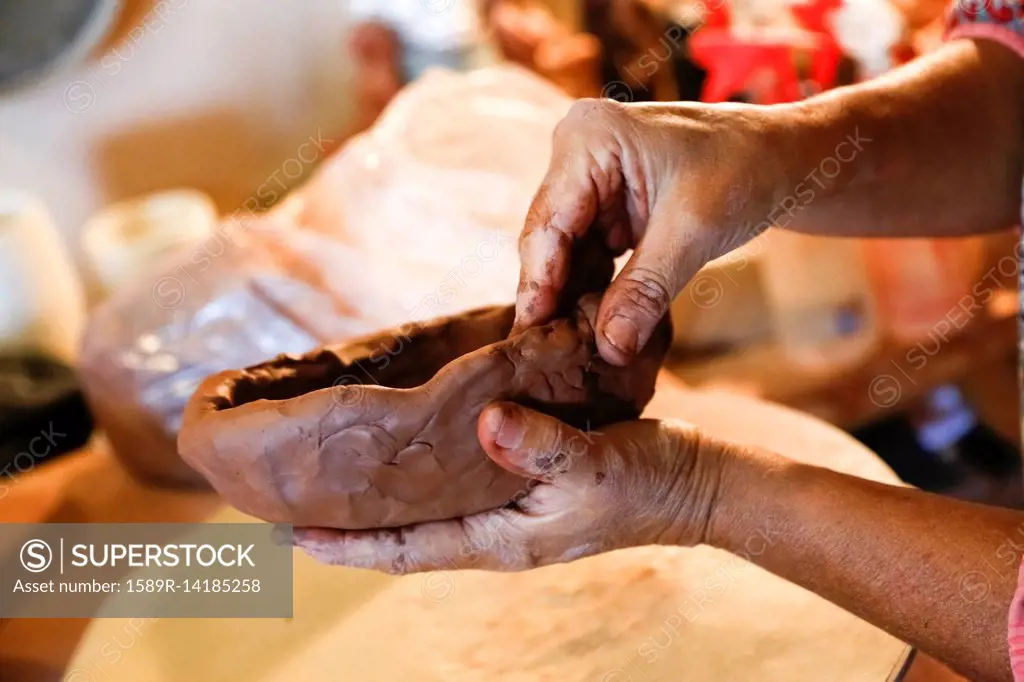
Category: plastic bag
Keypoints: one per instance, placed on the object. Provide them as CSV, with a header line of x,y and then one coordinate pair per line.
x,y
415,219
453,158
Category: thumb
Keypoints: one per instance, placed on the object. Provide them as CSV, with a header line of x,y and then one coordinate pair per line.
x,y
531,444
640,296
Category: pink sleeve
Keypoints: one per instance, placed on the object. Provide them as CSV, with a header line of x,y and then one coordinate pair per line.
x,y
1015,629
998,20
1003,22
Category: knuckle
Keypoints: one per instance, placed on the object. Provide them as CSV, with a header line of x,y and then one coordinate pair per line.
x,y
560,463
583,110
540,209
555,458
580,109
543,460
646,291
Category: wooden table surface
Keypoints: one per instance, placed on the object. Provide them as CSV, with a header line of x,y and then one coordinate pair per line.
x,y
89,486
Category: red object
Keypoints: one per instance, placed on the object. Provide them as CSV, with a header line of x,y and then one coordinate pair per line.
x,y
716,15
814,17
734,63
903,53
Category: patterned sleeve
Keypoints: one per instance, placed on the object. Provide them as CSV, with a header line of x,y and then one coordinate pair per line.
x,y
1015,634
1003,22
998,20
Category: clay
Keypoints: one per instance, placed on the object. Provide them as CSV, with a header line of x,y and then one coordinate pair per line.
x,y
381,431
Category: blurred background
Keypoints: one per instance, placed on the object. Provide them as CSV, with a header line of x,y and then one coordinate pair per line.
x,y
190,186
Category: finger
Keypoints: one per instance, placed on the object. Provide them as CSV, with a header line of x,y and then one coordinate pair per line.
x,y
487,541
584,189
532,444
640,295
545,246
564,208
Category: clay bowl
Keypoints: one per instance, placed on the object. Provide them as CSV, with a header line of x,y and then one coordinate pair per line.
x,y
381,431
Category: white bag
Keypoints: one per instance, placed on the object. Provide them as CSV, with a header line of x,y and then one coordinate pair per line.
x,y
415,219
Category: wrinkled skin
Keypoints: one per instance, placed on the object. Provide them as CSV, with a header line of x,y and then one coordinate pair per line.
x,y
303,441
635,483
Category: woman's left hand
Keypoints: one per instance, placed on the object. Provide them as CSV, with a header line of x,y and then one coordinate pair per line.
x,y
635,483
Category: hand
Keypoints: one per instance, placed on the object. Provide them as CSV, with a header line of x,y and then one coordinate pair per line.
x,y
680,183
636,483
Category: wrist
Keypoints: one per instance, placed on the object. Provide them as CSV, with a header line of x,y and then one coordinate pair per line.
x,y
818,149
697,465
747,499
792,137
771,150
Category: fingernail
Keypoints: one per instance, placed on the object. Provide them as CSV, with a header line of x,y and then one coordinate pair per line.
x,y
621,333
508,432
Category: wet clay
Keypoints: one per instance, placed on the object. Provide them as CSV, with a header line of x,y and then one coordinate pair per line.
x,y
381,431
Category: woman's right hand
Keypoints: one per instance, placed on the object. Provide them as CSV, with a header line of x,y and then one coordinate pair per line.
x,y
635,483
681,184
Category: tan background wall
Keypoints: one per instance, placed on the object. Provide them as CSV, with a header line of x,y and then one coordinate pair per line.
x,y
210,94
213,94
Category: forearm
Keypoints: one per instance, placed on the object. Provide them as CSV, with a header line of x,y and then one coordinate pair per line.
x,y
935,148
935,572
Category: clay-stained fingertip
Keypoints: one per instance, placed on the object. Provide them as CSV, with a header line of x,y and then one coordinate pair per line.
x,y
610,353
497,431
